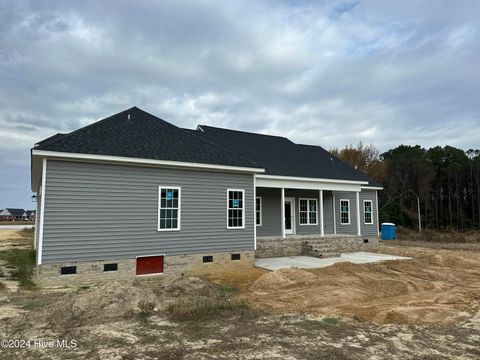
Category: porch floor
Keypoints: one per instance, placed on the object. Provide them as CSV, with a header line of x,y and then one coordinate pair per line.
x,y
307,262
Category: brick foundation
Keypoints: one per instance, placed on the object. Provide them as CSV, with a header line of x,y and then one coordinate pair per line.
x,y
293,246
92,271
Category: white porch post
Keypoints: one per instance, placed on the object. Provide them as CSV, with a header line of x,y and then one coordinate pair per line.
x,y
322,227
254,213
359,230
282,211
334,215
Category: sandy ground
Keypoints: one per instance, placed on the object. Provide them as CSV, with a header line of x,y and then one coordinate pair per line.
x,y
437,286
425,308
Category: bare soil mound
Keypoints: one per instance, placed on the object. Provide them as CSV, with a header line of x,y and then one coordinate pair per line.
x,y
434,287
123,299
282,278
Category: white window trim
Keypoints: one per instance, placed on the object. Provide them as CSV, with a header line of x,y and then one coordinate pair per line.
x,y
308,211
179,218
261,215
340,208
243,210
371,213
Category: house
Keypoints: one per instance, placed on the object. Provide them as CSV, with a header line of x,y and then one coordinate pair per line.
x,y
10,214
134,195
30,215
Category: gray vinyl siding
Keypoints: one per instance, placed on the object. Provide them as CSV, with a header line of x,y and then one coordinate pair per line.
x,y
328,212
350,229
271,212
105,211
368,229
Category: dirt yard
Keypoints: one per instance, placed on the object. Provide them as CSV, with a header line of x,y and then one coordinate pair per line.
x,y
427,307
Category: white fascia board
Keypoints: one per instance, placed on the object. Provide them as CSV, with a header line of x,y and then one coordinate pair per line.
x,y
334,181
140,161
372,188
306,183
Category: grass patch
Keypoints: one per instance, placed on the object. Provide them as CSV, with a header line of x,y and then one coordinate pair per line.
x,y
23,263
27,233
198,309
17,222
331,320
225,289
37,302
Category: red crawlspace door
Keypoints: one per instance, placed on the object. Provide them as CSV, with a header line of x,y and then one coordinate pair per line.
x,y
149,265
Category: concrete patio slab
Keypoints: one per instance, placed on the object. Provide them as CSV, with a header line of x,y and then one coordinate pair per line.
x,y
307,262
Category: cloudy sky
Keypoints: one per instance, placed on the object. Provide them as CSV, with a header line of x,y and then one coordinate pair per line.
x,y
322,72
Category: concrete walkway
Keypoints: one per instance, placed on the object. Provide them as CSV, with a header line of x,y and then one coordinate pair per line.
x,y
307,262
15,227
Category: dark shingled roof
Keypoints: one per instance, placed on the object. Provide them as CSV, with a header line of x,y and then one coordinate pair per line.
x,y
15,212
142,136
280,156
138,134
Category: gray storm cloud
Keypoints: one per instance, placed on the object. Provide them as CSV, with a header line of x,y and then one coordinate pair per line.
x,y
328,73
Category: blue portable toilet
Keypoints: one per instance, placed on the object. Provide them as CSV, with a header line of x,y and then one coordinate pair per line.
x,y
388,231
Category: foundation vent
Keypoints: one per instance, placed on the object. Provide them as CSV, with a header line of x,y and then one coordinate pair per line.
x,y
110,267
68,270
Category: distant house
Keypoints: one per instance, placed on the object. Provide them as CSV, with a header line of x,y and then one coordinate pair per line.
x,y
30,215
10,214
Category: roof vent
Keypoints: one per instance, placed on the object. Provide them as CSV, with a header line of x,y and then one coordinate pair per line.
x,y
128,116
199,128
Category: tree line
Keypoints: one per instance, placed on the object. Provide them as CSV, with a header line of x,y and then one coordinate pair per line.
x,y
446,179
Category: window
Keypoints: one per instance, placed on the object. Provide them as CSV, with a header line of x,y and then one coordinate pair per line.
x,y
258,211
308,211
208,259
345,212
367,212
168,208
235,256
235,211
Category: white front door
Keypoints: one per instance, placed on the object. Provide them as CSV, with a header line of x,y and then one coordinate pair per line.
x,y
289,215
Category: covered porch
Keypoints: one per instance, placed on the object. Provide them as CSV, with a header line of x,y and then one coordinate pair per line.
x,y
313,217
315,208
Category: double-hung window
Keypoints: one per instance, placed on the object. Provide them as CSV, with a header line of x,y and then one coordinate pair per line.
x,y
235,209
368,211
169,198
308,212
345,212
258,211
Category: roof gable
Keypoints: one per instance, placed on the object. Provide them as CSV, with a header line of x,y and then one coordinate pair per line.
x,y
15,212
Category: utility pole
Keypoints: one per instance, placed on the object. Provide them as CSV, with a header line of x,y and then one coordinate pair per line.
x,y
418,206
418,211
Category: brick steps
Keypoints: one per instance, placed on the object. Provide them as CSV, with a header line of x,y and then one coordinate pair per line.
x,y
319,248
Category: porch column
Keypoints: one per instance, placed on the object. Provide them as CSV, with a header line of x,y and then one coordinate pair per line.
x,y
282,211
322,227
334,215
359,230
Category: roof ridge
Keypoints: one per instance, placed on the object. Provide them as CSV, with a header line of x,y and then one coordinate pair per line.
x,y
189,132
246,132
